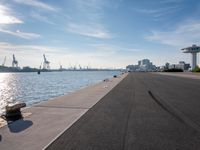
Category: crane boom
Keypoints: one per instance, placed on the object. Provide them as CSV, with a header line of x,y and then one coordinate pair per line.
x,y
4,61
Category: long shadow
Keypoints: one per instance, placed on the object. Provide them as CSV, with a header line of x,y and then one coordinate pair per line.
x,y
0,137
19,125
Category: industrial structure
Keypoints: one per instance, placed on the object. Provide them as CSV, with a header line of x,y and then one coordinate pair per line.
x,y
4,61
46,63
61,68
14,62
193,50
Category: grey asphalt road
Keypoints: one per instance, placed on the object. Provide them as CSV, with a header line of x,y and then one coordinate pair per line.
x,y
144,112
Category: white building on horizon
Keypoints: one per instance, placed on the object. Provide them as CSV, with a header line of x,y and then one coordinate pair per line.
x,y
143,65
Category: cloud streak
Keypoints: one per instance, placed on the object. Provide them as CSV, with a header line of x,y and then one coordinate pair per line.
x,y
6,17
185,34
160,11
91,14
42,18
37,4
20,34
33,49
90,30
108,49
171,1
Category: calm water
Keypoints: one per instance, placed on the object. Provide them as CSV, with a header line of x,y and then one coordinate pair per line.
x,y
33,88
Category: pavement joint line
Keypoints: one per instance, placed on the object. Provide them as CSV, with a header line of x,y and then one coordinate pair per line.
x,y
62,107
174,112
60,134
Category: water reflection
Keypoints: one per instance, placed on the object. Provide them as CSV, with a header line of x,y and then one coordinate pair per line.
x,y
7,90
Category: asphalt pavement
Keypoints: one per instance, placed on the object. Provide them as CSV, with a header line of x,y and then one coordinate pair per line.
x,y
144,111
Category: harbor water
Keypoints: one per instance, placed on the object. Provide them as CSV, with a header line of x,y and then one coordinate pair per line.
x,y
32,88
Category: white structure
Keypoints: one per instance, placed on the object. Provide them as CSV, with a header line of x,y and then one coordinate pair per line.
x,y
143,65
193,50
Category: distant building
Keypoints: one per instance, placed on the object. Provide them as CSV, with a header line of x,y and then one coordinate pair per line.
x,y
139,62
143,65
181,65
167,65
145,62
132,67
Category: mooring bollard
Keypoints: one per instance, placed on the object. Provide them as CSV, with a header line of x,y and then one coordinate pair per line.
x,y
13,111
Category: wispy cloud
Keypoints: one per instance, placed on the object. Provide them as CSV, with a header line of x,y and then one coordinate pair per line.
x,y
159,12
92,4
33,49
20,34
90,30
37,4
109,49
88,19
42,18
171,1
6,16
187,33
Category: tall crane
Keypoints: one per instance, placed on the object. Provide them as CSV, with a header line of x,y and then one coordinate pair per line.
x,y
4,61
80,68
14,62
60,66
46,63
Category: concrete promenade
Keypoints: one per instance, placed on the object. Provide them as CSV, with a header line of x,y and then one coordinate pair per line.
x,y
49,119
145,111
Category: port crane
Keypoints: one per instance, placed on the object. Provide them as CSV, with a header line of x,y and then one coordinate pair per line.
x,y
80,68
46,63
14,62
60,66
4,61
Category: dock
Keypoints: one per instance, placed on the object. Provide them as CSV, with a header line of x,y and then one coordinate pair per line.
x,y
137,111
44,122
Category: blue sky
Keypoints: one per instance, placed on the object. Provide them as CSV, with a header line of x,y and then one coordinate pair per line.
x,y
98,33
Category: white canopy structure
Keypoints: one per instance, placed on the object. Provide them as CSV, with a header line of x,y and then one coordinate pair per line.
x,y
193,50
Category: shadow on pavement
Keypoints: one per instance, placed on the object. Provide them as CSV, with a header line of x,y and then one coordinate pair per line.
x,y
0,138
19,125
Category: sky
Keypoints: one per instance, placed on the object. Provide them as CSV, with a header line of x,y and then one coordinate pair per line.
x,y
97,33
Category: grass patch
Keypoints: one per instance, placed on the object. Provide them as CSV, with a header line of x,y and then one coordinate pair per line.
x,y
196,69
